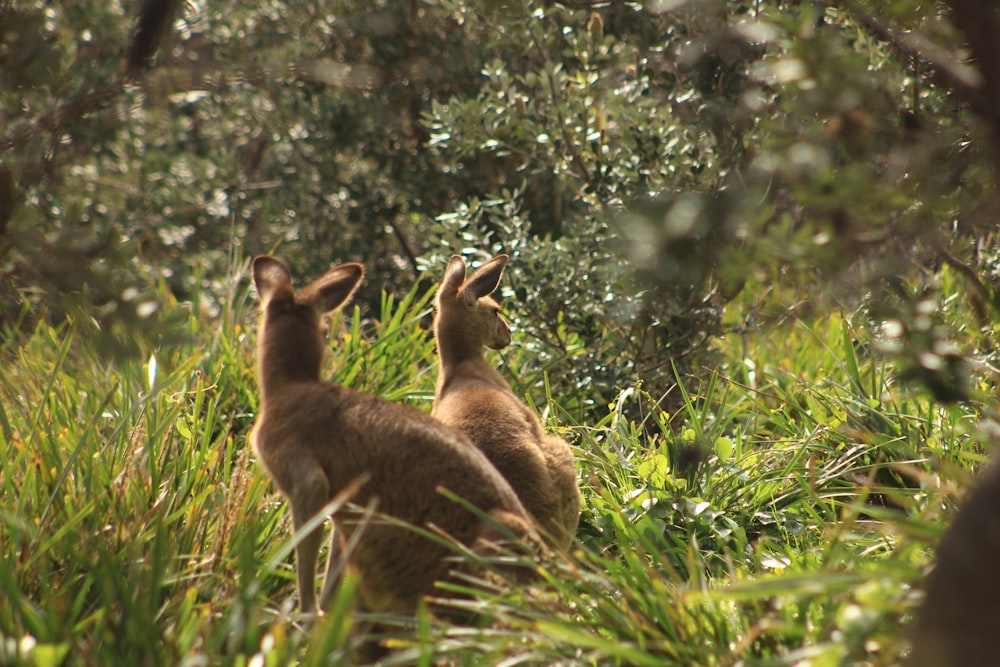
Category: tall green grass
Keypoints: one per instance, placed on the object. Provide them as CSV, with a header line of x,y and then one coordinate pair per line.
x,y
782,516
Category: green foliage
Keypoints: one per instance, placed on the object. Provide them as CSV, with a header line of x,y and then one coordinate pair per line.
x,y
583,130
782,512
136,525
640,162
650,164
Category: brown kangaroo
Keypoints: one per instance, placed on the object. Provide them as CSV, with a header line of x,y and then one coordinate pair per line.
x,y
472,396
959,621
317,438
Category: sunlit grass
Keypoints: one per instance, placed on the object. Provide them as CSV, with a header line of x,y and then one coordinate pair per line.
x,y
783,514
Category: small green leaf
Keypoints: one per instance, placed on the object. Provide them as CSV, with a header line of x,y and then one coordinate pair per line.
x,y
184,428
50,655
724,448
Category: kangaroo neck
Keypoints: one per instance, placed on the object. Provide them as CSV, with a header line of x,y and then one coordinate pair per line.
x,y
286,362
455,349
463,369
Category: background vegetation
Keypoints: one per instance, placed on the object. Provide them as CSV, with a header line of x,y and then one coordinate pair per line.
x,y
753,280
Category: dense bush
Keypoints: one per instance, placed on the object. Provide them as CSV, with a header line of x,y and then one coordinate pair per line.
x,y
638,164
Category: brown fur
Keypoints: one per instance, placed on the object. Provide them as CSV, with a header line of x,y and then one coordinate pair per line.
x,y
316,438
959,621
472,396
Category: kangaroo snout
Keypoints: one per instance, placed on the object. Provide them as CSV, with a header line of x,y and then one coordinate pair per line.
x,y
501,337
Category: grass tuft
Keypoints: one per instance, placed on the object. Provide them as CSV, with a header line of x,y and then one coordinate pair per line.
x,y
784,514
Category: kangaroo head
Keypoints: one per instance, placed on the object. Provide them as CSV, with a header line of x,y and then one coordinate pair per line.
x,y
465,307
291,337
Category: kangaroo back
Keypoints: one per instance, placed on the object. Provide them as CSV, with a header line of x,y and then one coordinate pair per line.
x,y
472,396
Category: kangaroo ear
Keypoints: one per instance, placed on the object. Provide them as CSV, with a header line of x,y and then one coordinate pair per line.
x,y
485,280
333,288
270,276
454,275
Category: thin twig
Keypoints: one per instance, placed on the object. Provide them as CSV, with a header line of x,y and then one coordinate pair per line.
x,y
980,293
75,109
405,245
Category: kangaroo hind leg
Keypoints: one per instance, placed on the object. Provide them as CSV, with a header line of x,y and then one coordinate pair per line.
x,y
307,497
334,570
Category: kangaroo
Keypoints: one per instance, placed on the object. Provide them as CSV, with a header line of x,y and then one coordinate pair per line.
x,y
316,439
472,395
959,621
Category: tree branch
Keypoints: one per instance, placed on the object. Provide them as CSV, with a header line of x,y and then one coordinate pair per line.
x,y
945,68
979,20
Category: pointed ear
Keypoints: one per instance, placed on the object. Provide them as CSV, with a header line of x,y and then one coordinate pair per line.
x,y
485,280
270,276
333,288
454,275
